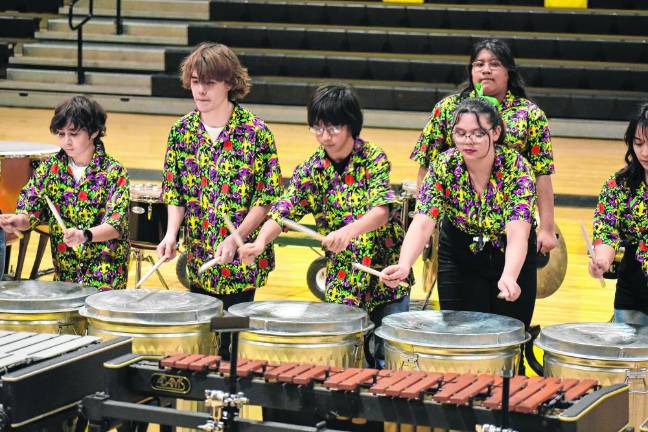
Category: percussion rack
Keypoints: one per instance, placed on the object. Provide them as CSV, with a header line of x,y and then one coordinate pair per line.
x,y
443,400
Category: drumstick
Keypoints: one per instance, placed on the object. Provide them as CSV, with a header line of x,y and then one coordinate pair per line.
x,y
58,218
590,249
206,266
232,230
151,271
301,228
373,272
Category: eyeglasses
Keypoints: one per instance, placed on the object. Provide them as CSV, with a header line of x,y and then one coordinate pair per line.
x,y
332,130
493,65
477,135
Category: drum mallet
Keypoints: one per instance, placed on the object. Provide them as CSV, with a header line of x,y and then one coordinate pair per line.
x,y
237,239
58,217
151,271
303,229
590,249
373,272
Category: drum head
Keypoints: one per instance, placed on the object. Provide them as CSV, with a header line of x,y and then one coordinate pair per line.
x,y
601,341
24,149
303,318
452,329
146,192
152,307
32,296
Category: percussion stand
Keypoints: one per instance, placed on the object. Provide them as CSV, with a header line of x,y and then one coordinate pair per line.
x,y
138,254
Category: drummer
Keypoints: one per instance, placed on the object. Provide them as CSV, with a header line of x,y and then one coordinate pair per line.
x,y
221,160
89,188
485,194
492,69
344,184
621,219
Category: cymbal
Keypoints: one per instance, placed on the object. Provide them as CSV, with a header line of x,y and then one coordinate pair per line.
x,y
551,271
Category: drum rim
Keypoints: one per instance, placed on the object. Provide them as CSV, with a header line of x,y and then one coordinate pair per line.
x,y
54,149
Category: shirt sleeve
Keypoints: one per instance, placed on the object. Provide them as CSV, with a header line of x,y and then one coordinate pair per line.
x,y
29,201
297,200
431,195
380,191
432,140
117,199
539,146
171,187
267,173
606,215
519,190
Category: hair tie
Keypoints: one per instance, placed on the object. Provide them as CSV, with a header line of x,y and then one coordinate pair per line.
x,y
490,99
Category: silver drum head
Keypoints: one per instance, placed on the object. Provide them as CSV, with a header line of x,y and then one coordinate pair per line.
x,y
30,296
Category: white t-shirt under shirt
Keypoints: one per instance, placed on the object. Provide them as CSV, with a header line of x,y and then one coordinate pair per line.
x,y
213,132
77,171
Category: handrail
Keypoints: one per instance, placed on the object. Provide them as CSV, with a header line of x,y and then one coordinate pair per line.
x,y
79,28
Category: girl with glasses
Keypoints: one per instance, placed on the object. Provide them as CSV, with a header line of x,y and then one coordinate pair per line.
x,y
485,194
492,72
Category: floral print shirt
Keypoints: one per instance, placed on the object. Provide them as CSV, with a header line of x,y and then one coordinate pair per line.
x,y
100,196
336,200
509,195
621,218
527,131
213,178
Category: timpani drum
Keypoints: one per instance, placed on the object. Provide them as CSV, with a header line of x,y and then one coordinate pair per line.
x,y
612,353
17,161
147,221
452,341
159,321
43,307
303,332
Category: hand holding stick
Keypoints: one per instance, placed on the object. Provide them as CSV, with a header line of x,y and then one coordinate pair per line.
x,y
151,271
373,272
58,218
590,249
237,238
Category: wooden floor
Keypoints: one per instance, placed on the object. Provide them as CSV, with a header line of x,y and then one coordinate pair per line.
x,y
138,141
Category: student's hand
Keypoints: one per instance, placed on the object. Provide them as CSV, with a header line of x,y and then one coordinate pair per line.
x,y
12,223
226,250
394,274
599,265
167,247
509,288
547,240
73,237
250,251
338,240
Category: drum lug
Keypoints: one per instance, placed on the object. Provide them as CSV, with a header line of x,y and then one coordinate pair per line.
x,y
639,377
149,212
410,361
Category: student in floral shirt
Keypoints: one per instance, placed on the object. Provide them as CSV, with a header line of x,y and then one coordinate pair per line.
x,y
621,219
345,185
221,160
485,193
90,190
526,128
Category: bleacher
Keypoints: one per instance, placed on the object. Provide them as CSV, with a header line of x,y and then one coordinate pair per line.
x,y
577,63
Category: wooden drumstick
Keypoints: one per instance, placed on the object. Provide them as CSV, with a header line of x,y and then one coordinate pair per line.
x,y
209,264
590,249
58,218
373,272
303,229
232,229
151,271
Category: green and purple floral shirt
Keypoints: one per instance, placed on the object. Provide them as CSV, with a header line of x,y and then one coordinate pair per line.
x,y
510,195
336,200
227,176
100,196
527,131
621,218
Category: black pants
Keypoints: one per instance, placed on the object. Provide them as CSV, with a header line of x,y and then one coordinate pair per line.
x,y
632,283
468,281
228,300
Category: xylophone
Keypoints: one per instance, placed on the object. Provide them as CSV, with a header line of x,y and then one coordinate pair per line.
x,y
444,400
44,376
